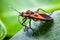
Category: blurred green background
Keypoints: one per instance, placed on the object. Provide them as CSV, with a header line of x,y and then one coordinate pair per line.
x,y
9,16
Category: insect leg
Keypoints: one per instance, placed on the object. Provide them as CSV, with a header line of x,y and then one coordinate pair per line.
x,y
19,20
41,9
30,26
24,19
26,28
30,23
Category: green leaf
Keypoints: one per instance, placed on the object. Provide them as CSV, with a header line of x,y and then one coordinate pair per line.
x,y
2,31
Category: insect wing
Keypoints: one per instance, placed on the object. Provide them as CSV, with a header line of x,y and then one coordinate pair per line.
x,y
45,16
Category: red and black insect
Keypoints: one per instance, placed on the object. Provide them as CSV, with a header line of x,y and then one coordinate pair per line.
x,y
33,15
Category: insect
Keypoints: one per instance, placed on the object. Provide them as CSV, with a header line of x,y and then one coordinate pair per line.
x,y
32,15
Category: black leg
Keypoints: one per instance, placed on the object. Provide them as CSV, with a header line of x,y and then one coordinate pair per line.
x,y
41,9
30,23
23,23
19,20
24,19
30,26
44,11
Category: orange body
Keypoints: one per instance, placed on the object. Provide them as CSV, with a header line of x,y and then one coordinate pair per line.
x,y
36,15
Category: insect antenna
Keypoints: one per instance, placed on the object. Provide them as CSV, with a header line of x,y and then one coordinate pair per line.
x,y
18,15
15,10
22,23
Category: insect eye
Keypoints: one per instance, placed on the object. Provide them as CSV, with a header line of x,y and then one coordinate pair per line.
x,y
35,15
